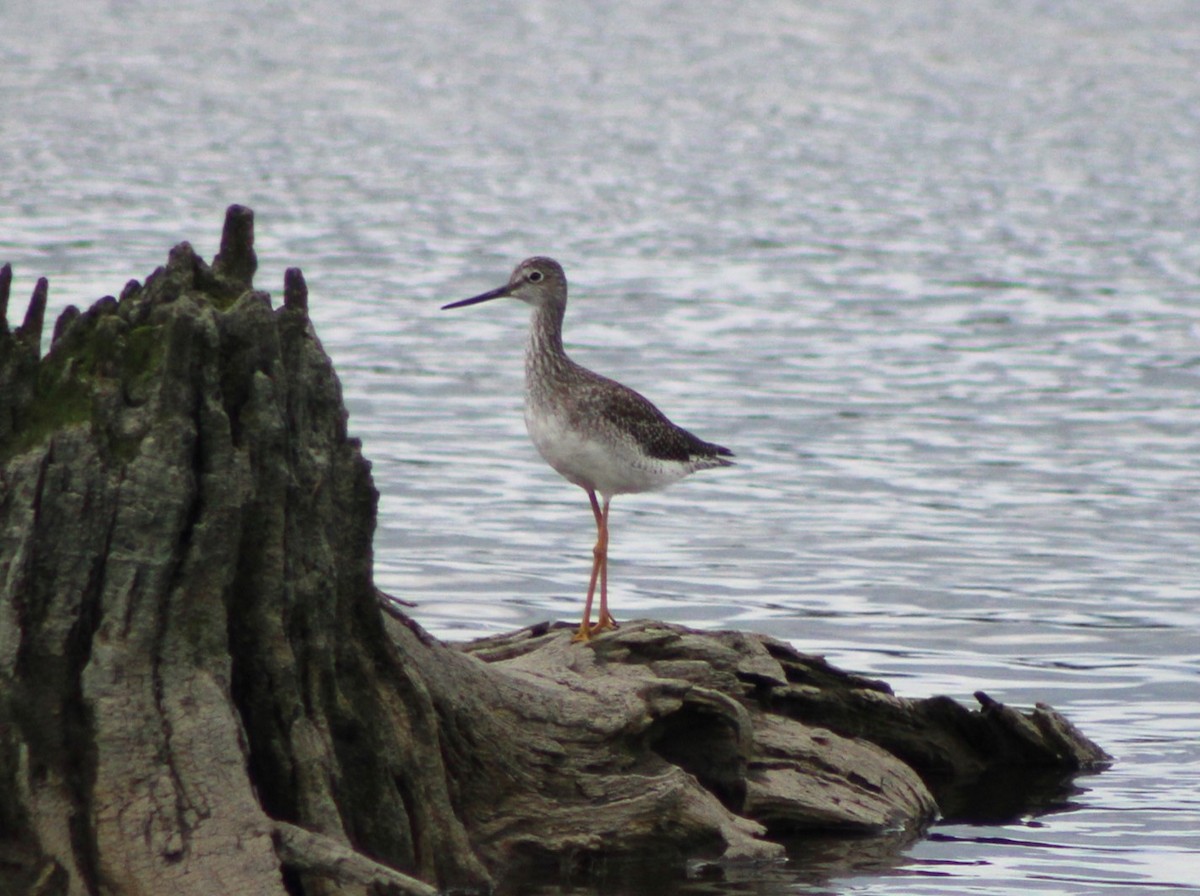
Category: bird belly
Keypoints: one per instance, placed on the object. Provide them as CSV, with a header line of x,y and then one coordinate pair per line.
x,y
602,461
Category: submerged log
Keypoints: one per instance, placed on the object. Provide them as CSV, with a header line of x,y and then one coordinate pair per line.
x,y
201,690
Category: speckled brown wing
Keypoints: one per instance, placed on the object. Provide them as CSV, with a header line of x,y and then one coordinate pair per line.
x,y
654,433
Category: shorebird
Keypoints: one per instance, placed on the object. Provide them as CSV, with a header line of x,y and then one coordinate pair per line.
x,y
602,436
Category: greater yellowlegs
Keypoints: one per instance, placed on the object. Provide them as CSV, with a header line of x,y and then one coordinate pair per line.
x,y
596,433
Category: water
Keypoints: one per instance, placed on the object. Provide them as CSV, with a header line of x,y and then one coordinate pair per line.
x,y
929,268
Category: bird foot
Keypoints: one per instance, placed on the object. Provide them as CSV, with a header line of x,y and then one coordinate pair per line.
x,y
585,631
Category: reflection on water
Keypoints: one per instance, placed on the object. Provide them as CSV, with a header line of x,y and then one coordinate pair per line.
x,y
999,798
1008,816
929,269
810,865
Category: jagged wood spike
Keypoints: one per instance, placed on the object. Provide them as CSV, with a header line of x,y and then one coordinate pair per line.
x,y
63,323
5,288
35,316
295,290
236,261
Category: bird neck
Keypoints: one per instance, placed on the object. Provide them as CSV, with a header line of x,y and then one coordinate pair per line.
x,y
545,334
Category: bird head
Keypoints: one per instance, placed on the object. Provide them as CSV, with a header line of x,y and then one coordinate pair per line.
x,y
537,281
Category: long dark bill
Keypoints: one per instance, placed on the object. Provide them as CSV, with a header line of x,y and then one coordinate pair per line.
x,y
486,297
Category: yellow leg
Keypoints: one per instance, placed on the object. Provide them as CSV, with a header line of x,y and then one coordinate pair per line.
x,y
585,627
599,572
606,620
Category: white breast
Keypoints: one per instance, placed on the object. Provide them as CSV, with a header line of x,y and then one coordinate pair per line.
x,y
602,460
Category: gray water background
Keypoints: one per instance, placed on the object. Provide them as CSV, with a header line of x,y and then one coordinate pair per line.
x,y
930,269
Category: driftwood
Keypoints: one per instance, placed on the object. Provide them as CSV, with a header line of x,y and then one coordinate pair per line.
x,y
201,691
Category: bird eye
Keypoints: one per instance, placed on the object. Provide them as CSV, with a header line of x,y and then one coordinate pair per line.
x,y
534,277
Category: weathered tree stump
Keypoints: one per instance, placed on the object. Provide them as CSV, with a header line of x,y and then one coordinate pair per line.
x,y
200,691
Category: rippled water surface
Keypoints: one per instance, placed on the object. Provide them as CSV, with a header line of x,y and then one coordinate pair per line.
x,y
930,269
